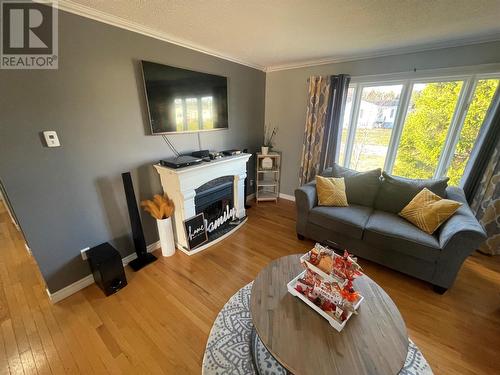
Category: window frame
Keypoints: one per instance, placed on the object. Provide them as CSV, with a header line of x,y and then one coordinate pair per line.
x,y
470,79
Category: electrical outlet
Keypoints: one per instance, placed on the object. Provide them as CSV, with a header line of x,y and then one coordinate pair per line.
x,y
84,253
251,183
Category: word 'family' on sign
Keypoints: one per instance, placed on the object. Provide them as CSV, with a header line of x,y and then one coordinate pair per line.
x,y
228,214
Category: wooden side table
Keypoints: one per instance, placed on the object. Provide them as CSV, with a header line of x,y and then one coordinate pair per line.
x,y
373,342
267,186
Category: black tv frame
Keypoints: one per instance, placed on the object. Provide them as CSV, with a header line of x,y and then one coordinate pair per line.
x,y
184,131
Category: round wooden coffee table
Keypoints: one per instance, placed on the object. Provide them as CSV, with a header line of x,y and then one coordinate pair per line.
x,y
373,342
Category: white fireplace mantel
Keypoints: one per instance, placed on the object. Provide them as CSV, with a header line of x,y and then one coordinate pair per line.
x,y
180,185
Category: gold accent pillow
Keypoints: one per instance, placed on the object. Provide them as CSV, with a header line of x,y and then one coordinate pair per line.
x,y
331,191
428,210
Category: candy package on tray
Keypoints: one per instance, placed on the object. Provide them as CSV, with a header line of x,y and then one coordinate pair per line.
x,y
325,262
328,296
326,284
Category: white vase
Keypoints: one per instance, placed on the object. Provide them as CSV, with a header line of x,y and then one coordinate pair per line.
x,y
166,236
264,150
266,163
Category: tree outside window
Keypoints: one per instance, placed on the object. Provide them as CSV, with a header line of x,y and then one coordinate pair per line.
x,y
426,127
483,95
417,149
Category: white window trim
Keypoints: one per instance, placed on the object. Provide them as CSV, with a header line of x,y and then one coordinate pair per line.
x,y
397,128
470,77
351,129
457,121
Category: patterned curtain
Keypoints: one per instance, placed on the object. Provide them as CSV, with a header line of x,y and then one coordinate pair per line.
x,y
486,204
316,116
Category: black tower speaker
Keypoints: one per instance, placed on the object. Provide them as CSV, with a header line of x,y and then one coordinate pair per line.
x,y
106,265
143,257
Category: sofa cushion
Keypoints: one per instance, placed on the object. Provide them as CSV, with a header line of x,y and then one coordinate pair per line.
x,y
396,192
346,220
331,191
428,211
388,231
361,187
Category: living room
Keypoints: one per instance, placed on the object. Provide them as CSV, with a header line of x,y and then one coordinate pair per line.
x,y
185,192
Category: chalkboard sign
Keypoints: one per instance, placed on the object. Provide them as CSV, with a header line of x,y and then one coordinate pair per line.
x,y
196,232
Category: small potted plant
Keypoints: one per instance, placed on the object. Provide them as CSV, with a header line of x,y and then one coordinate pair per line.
x,y
269,133
161,208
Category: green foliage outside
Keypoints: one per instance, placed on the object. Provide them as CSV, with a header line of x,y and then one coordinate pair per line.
x,y
425,129
364,156
427,124
478,108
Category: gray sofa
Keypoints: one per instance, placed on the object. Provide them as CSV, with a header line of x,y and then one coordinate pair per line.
x,y
371,228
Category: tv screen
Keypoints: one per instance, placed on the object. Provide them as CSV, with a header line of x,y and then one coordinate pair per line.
x,y
181,100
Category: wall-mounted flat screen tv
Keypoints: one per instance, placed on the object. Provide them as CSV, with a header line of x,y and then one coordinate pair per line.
x,y
181,100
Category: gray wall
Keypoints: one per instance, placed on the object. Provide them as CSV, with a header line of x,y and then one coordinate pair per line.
x,y
286,92
71,197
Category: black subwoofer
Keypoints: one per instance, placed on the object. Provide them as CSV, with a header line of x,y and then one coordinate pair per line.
x,y
107,267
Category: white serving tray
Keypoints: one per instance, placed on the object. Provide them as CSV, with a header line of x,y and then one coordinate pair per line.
x,y
333,322
304,259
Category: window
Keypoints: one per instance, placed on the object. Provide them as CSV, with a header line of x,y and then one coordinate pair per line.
x,y
425,128
372,132
345,123
483,94
416,128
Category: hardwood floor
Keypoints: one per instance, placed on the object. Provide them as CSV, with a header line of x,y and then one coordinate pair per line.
x,y
160,322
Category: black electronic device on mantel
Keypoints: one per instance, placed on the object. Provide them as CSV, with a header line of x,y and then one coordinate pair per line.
x,y
201,154
143,257
231,152
180,161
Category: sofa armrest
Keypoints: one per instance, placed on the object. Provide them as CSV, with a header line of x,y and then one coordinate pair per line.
x,y
305,200
462,226
458,238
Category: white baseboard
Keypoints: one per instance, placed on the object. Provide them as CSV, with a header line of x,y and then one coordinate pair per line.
x,y
287,197
89,279
70,289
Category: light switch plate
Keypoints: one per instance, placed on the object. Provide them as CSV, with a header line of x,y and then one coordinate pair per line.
x,y
51,138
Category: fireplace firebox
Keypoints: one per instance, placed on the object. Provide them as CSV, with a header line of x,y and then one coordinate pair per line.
x,y
215,200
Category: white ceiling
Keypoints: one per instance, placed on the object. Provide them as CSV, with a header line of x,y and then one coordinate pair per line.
x,y
275,34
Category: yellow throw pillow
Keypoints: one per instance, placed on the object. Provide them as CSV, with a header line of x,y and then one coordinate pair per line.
x,y
428,210
331,191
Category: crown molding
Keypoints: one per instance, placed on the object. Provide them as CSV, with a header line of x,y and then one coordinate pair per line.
x,y
87,12
389,52
96,15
